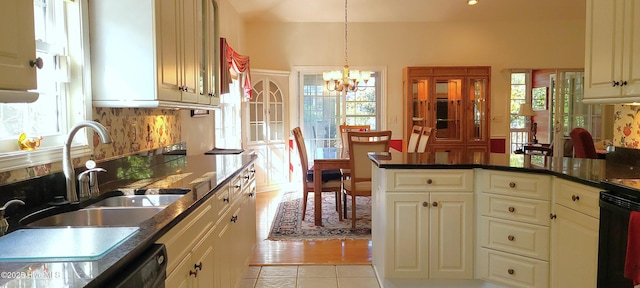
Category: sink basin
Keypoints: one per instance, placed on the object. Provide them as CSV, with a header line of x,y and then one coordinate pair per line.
x,y
138,201
99,217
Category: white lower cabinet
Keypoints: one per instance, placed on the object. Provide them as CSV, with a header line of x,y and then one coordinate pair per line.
x,y
513,228
427,234
212,246
574,230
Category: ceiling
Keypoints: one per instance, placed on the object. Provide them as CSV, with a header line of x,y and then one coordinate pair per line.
x,y
407,10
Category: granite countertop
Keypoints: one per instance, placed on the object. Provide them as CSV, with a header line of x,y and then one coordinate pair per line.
x,y
586,171
183,172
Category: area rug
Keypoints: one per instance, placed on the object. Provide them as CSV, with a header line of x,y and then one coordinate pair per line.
x,y
288,223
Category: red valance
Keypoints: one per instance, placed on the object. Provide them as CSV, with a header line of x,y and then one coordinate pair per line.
x,y
230,59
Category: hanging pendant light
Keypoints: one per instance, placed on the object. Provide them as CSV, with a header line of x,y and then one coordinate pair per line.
x,y
346,80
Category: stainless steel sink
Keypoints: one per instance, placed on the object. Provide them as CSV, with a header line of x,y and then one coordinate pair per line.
x,y
138,201
99,217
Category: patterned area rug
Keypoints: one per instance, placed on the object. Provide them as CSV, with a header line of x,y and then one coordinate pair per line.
x,y
288,224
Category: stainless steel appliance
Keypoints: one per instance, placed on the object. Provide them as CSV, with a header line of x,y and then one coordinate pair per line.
x,y
148,271
616,205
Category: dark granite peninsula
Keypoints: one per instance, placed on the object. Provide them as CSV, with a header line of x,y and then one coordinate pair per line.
x,y
198,178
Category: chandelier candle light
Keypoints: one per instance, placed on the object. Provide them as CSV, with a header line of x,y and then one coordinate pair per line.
x,y
347,80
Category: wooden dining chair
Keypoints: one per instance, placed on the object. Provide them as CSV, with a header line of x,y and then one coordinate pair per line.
x,y
360,144
344,129
416,131
331,179
425,139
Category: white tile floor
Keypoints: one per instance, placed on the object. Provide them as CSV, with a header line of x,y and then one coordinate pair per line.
x,y
312,276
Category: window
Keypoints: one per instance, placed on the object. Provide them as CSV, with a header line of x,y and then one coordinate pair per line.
x,y
227,119
322,111
518,124
61,83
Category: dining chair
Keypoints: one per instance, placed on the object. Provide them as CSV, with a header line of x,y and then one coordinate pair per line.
x,y
583,146
331,179
344,129
416,131
425,139
360,144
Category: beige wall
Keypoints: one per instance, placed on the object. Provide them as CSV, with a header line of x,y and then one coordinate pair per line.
x,y
199,132
502,45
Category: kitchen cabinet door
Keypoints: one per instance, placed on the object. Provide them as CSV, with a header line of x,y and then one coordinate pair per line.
x,y
451,236
407,249
574,248
612,67
18,45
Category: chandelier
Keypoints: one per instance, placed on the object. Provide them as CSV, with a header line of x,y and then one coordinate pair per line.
x,y
346,80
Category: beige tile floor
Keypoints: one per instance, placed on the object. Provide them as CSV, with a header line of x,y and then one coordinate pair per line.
x,y
310,276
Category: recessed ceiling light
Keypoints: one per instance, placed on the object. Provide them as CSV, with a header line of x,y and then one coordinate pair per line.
x,y
472,2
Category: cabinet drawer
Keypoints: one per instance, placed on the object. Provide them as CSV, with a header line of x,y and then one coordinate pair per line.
x,y
582,198
235,187
515,237
517,184
182,237
221,202
513,208
512,270
426,180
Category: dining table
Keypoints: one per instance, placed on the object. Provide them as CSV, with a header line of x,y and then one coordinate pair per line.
x,y
318,166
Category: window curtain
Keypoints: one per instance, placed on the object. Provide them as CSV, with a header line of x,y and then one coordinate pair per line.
x,y
230,59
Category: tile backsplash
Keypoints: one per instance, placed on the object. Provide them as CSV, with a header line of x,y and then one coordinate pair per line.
x,y
626,129
132,130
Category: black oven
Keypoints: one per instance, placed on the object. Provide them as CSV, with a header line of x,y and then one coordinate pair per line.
x,y
615,208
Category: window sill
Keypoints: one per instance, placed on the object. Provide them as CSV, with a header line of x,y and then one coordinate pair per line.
x,y
24,159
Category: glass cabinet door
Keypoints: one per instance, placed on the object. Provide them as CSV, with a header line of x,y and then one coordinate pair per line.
x,y
448,109
420,102
477,121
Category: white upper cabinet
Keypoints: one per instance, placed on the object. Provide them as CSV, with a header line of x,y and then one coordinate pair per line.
x,y
612,51
17,51
148,53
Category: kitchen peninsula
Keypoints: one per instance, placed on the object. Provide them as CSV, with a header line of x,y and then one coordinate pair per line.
x,y
218,187
465,216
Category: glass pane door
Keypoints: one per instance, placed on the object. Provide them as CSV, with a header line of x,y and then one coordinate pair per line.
x,y
478,105
448,109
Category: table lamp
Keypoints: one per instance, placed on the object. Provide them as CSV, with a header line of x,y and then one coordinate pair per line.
x,y
527,111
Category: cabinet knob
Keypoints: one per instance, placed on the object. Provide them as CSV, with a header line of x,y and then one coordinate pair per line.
x,y
425,204
193,273
512,209
225,199
512,184
38,63
237,186
511,238
250,194
198,266
553,216
575,198
435,204
615,83
429,181
623,83
234,218
511,271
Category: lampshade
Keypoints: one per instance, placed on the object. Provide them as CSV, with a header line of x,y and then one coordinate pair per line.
x,y
472,2
526,110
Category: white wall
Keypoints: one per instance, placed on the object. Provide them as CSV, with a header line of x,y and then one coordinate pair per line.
x,y
502,45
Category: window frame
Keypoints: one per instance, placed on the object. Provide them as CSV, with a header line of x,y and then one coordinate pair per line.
x,y
297,86
77,104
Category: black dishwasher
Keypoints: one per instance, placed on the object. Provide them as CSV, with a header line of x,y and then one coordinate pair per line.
x,y
147,271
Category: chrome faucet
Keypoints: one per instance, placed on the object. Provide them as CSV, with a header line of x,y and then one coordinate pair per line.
x,y
4,225
67,167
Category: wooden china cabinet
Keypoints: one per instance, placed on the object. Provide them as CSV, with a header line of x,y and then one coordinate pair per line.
x,y
454,100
